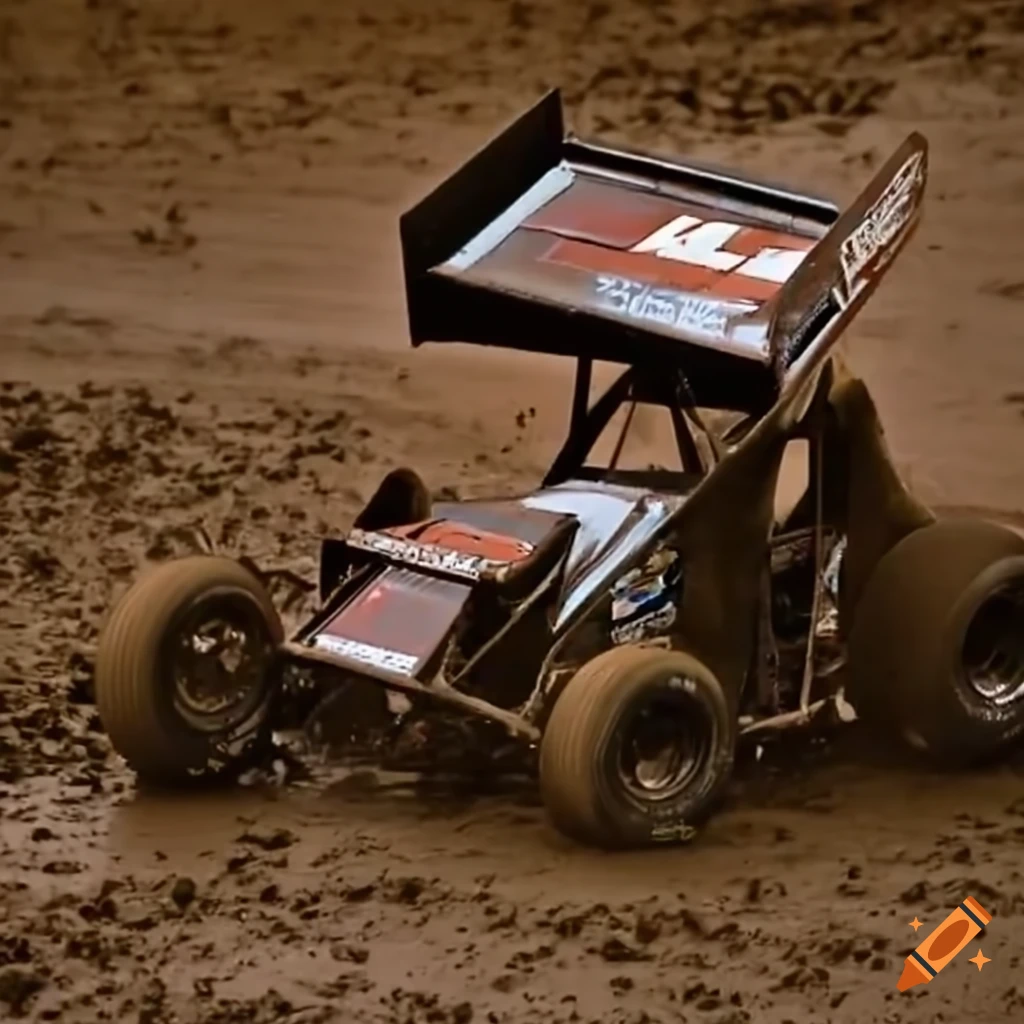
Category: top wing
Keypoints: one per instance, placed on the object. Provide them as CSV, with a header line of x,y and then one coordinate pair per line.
x,y
547,243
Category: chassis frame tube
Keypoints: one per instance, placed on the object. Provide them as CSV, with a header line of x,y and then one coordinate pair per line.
x,y
515,724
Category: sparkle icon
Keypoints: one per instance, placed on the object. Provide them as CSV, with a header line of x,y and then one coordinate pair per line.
x,y
961,927
980,960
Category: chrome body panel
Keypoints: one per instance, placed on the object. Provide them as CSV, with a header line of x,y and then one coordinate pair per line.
x,y
613,522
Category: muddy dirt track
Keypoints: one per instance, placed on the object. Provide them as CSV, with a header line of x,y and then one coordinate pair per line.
x,y
202,343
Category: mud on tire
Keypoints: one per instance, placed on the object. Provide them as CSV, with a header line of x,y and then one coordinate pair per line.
x,y
936,652
184,680
638,749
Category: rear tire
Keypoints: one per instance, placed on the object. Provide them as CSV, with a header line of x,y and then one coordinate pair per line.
x,y
189,627
936,652
611,774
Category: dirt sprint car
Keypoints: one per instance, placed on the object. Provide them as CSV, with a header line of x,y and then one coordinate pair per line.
x,y
628,626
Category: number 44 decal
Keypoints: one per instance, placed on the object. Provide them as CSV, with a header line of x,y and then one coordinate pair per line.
x,y
702,244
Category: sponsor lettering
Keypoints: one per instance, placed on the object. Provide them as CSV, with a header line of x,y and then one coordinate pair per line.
x,y
678,832
427,556
884,221
645,627
367,654
670,308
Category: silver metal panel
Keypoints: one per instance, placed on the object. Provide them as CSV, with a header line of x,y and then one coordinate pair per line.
x,y
557,180
614,521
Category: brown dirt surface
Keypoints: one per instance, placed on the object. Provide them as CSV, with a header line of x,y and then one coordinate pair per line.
x,y
202,344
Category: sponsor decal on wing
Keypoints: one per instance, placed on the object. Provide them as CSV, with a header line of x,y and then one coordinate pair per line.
x,y
884,221
703,314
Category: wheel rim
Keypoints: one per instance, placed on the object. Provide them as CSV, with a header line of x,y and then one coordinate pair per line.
x,y
665,743
220,658
992,657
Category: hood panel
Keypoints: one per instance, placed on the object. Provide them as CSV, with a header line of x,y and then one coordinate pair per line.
x,y
613,520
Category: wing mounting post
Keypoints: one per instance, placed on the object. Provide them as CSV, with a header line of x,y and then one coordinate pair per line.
x,y
581,392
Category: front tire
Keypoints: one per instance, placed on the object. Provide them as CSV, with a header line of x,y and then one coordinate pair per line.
x,y
184,671
936,653
638,749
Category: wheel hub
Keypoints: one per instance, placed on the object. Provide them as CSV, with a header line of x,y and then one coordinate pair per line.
x,y
993,649
665,745
220,662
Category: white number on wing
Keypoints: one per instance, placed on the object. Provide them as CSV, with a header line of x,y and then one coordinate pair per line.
x,y
700,243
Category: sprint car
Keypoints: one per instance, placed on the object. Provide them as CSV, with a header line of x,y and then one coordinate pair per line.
x,y
625,625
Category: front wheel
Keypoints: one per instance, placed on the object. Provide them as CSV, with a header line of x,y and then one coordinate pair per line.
x,y
638,749
184,670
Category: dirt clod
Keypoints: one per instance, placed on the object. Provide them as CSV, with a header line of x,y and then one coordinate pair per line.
x,y
183,892
17,987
